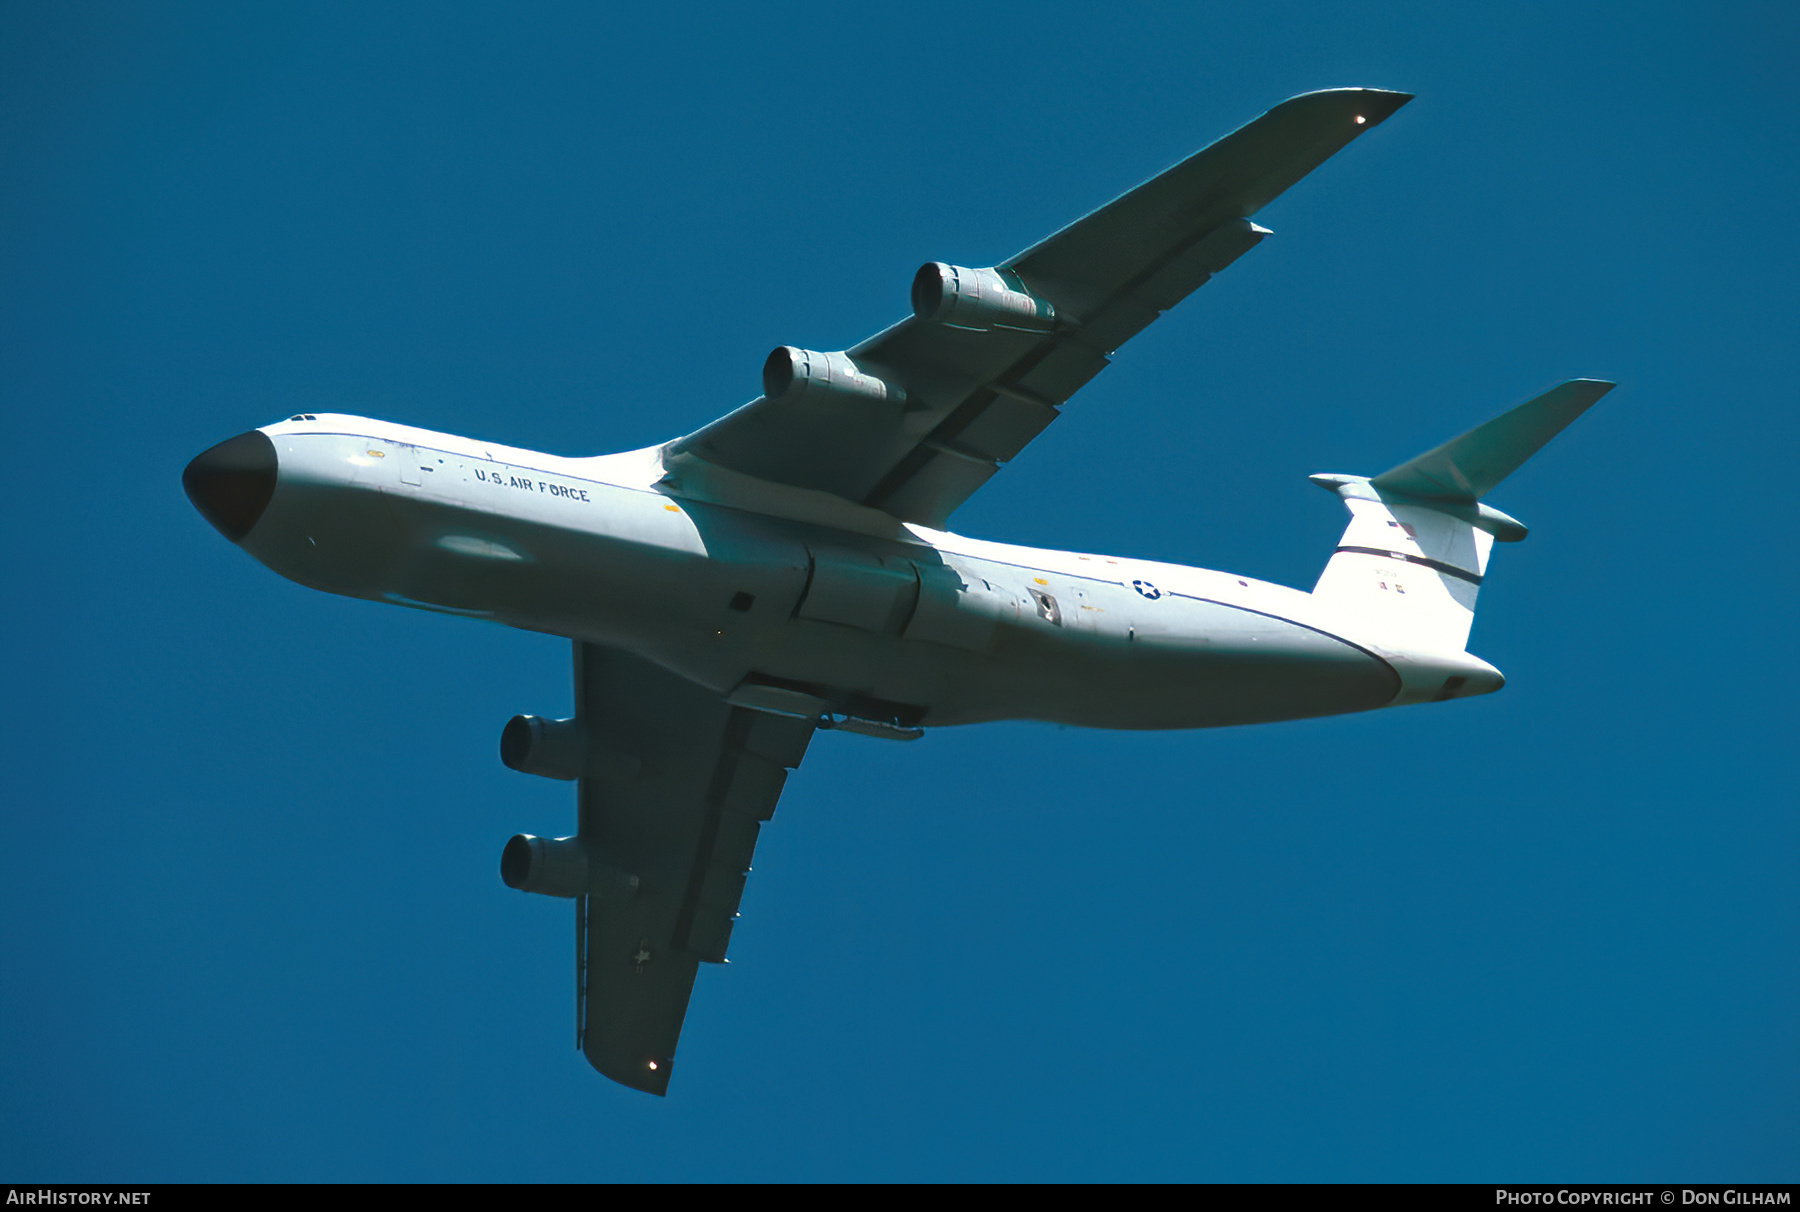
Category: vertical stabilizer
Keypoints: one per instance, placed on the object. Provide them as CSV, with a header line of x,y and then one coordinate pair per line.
x,y
1406,570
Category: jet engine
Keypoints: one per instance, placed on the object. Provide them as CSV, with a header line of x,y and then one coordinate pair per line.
x,y
554,866
560,866
978,298
550,748
805,375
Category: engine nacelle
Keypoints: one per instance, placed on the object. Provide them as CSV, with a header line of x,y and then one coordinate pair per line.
x,y
797,375
555,866
550,748
560,866
978,298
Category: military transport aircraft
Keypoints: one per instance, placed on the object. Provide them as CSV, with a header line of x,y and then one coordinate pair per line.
x,y
787,568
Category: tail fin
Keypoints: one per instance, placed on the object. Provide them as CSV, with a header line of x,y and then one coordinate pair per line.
x,y
1412,559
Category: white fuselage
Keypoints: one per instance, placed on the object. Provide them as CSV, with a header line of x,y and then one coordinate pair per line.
x,y
738,584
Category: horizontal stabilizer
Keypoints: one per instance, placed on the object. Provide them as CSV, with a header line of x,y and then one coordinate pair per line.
x,y
1465,468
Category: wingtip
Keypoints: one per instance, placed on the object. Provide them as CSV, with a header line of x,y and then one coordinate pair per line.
x,y
1380,103
1368,106
649,1075
1589,389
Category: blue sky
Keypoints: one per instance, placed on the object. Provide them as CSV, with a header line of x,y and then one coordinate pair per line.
x,y
253,928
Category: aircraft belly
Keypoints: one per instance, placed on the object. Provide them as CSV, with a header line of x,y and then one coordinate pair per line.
x,y
597,584
1270,670
720,596
1220,666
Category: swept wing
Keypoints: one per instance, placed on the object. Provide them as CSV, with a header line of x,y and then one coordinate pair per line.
x,y
954,401
675,785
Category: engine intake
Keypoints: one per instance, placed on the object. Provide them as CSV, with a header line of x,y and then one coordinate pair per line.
x,y
978,298
805,375
552,749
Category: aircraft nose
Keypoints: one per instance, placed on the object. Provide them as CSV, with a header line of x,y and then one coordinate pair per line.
x,y
231,484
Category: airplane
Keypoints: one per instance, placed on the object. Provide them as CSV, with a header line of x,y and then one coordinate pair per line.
x,y
788,569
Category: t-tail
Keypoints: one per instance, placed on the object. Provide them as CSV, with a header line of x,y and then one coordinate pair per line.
x,y
1409,566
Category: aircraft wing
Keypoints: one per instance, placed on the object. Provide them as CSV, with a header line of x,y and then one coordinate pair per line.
x,y
943,404
675,785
